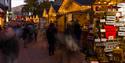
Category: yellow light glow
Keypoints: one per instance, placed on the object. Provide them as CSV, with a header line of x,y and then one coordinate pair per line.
x,y
69,6
105,2
52,12
117,48
45,13
36,19
0,21
99,2
30,17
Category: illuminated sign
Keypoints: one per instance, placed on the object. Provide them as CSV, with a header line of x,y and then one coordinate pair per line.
x,y
110,32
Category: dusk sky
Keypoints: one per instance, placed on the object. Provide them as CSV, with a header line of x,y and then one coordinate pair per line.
x,y
17,2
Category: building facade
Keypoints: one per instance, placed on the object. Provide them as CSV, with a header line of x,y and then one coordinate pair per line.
x,y
5,4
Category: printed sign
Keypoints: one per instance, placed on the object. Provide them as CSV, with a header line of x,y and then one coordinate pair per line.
x,y
122,19
121,33
121,28
103,39
97,40
100,43
119,24
102,30
109,46
110,17
102,20
110,22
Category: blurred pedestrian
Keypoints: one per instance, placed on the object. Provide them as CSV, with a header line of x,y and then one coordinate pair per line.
x,y
10,46
50,33
25,35
77,31
35,33
70,41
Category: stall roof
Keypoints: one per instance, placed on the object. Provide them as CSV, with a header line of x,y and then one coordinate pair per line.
x,y
69,6
52,11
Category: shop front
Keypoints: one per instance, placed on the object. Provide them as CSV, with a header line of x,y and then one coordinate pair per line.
x,y
2,17
70,11
110,31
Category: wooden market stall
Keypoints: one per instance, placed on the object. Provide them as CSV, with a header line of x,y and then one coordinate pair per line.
x,y
71,10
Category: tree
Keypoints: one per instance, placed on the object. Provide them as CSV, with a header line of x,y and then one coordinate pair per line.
x,y
35,7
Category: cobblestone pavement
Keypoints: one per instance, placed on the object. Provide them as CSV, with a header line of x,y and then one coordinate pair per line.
x,y
37,52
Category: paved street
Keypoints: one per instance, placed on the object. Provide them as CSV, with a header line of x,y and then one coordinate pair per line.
x,y
37,52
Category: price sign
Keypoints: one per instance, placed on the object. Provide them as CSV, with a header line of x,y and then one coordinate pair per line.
x,y
102,30
119,24
97,40
100,43
110,17
109,46
121,33
121,28
102,20
110,22
122,19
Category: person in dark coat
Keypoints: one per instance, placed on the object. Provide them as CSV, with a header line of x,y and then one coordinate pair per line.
x,y
77,31
50,33
26,35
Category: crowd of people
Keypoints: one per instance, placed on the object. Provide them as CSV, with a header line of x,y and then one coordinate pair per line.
x,y
13,32
71,36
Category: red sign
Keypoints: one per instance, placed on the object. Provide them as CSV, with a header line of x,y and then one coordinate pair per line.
x,y
110,32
